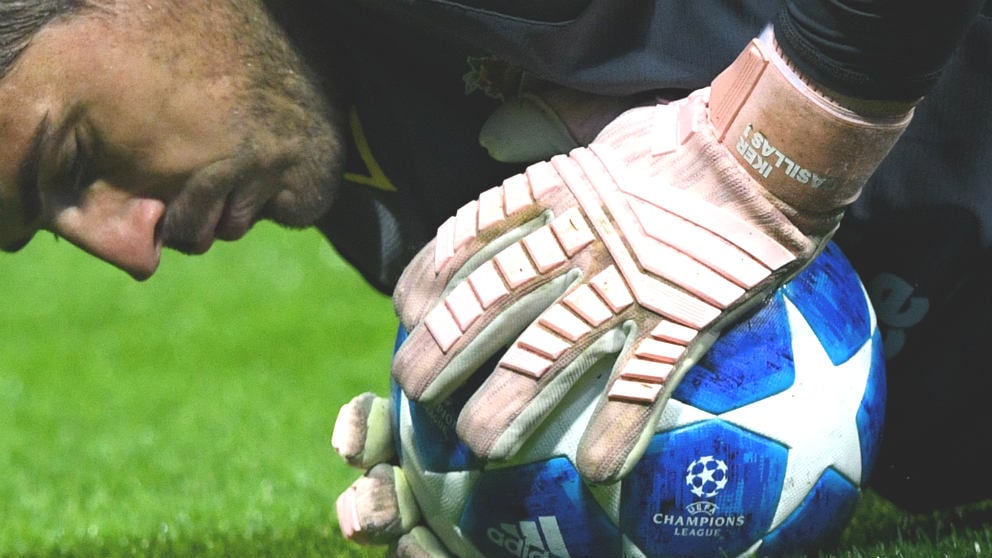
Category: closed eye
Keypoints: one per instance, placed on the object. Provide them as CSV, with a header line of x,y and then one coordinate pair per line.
x,y
80,173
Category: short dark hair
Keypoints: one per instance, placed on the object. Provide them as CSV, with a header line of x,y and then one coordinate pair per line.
x,y
20,20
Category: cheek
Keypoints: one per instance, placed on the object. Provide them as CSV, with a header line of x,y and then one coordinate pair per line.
x,y
174,129
157,151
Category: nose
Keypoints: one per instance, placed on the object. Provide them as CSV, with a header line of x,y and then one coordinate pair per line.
x,y
115,226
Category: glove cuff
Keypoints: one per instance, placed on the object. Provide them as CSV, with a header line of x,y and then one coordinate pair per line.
x,y
805,149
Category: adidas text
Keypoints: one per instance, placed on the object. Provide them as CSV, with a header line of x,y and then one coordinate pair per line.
x,y
527,540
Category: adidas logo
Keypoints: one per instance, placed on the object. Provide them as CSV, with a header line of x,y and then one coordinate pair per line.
x,y
530,539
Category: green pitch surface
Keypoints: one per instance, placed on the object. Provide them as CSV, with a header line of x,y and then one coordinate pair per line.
x,y
191,415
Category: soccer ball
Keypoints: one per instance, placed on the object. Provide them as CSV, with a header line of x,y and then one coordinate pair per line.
x,y
763,449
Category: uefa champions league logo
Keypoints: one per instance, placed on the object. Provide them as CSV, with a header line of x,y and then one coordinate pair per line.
x,y
706,477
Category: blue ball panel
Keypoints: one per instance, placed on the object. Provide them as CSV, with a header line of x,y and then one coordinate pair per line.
x,y
435,437
396,395
733,503
821,517
396,404
540,509
750,361
401,335
440,449
830,296
871,415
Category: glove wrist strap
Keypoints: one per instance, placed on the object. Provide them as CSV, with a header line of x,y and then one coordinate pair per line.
x,y
803,148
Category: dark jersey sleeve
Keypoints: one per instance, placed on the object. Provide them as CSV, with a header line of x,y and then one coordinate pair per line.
x,y
873,49
609,47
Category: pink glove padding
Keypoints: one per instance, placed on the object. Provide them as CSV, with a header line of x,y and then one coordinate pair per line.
x,y
640,248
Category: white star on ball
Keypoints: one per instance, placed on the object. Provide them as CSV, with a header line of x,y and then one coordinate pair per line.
x,y
816,418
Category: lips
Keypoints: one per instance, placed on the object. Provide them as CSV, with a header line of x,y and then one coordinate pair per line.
x,y
190,230
193,230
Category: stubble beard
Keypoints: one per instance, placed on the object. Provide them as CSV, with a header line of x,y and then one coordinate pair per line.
x,y
294,126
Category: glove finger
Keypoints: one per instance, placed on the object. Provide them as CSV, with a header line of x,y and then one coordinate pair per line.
x,y
418,543
378,508
481,228
641,384
363,431
481,314
429,374
542,366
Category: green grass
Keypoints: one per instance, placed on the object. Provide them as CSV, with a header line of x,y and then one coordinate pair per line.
x,y
190,415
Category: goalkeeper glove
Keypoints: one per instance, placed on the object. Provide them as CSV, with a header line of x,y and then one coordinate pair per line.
x,y
676,220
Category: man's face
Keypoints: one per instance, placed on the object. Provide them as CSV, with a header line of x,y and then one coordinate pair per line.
x,y
161,123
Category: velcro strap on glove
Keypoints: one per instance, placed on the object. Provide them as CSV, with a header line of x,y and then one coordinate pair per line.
x,y
810,153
